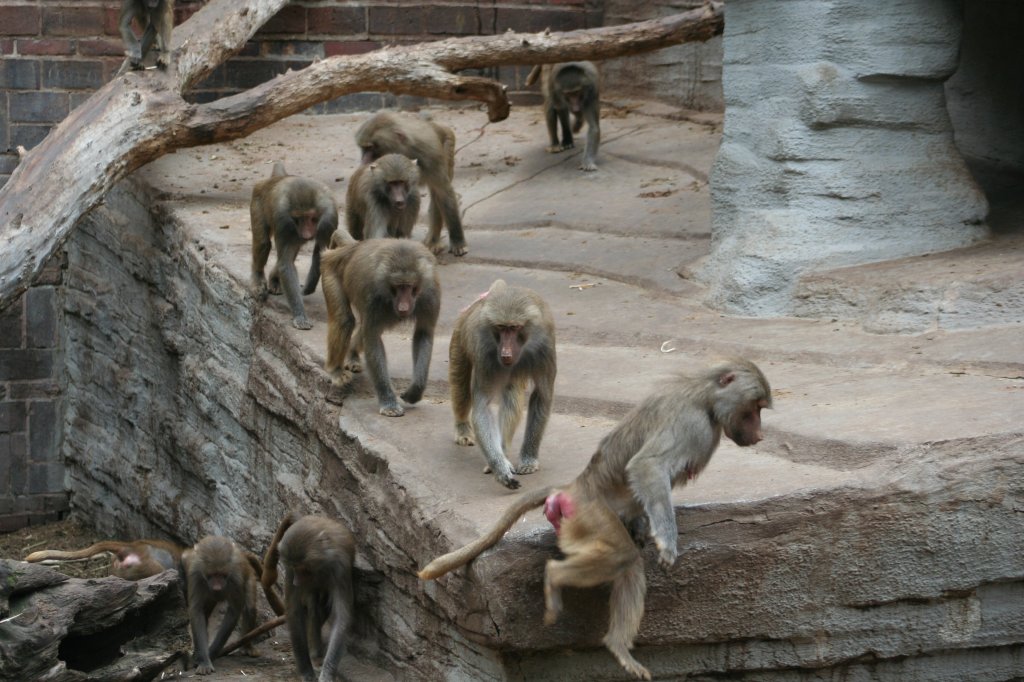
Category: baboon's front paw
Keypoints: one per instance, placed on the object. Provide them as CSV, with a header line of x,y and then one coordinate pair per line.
x,y
274,287
413,395
666,555
204,668
527,466
302,322
434,245
589,166
509,481
557,148
464,434
458,249
354,366
392,410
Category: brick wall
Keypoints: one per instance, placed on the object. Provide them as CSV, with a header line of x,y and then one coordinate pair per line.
x,y
55,53
32,481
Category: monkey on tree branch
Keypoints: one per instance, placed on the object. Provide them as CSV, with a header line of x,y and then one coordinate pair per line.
x,y
140,116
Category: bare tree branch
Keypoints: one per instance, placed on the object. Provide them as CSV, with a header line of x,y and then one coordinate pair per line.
x,y
140,116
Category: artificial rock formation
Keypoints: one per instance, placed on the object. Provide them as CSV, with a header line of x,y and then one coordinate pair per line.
x,y
837,147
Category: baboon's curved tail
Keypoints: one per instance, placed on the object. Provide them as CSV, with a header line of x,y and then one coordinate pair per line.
x,y
452,560
268,574
91,550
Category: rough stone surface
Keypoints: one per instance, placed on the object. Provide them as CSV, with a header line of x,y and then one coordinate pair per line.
x,y
837,147
874,534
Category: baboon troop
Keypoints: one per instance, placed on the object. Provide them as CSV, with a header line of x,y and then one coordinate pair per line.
x,y
571,88
217,570
290,211
501,363
666,440
317,553
433,147
371,286
156,19
501,344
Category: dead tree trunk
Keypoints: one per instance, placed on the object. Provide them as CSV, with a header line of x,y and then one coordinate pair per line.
x,y
140,116
71,629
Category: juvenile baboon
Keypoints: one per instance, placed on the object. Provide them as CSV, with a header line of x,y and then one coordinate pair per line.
x,y
291,211
133,560
433,147
501,343
571,87
667,439
382,282
317,553
217,570
156,18
383,198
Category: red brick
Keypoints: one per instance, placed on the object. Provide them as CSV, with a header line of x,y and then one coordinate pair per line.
x,y
534,20
47,46
111,19
336,21
100,47
333,48
398,20
291,19
20,20
458,21
6,46
74,21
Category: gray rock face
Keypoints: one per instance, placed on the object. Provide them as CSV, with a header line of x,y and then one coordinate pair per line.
x,y
837,148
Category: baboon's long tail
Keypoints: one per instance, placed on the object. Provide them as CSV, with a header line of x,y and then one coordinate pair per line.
x,y
268,574
463,555
91,550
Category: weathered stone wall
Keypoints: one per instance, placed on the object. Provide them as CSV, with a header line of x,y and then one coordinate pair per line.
x,y
837,147
688,75
189,413
32,481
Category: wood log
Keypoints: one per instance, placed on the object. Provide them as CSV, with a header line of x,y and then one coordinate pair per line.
x,y
140,116
59,628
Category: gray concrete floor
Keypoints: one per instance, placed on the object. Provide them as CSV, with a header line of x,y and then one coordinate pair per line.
x,y
605,250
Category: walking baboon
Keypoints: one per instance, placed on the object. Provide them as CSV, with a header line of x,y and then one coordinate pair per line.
x,y
317,553
156,19
667,439
571,87
383,198
217,570
291,211
433,147
133,560
501,343
382,282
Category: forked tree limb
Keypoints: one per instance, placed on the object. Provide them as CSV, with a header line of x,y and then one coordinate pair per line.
x,y
140,116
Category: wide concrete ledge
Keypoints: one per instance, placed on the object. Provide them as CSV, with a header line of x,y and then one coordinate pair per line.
x,y
874,534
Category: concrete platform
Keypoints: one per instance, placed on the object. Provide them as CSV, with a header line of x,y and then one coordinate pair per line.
x,y
871,532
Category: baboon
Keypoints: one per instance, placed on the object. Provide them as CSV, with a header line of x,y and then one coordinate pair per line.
x,y
571,87
382,282
317,553
156,18
433,147
665,440
501,343
217,570
133,560
383,198
291,211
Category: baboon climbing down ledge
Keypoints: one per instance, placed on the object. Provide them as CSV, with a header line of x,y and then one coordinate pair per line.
x,y
140,116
